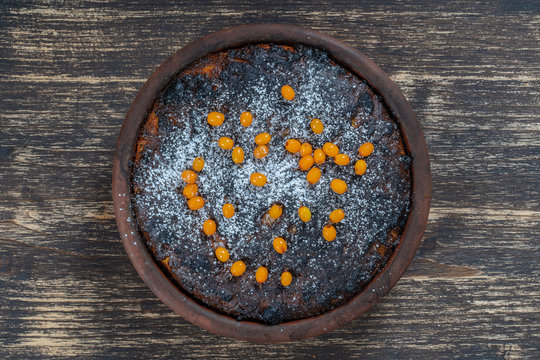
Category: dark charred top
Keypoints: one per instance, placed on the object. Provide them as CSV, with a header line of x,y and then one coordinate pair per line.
x,y
325,274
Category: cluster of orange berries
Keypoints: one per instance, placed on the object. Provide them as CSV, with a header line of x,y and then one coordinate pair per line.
x,y
239,267
196,202
190,192
308,158
226,143
306,162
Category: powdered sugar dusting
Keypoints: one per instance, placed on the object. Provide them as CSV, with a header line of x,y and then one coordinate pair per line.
x,y
250,81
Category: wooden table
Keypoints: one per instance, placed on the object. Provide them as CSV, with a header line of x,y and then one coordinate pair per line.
x,y
68,73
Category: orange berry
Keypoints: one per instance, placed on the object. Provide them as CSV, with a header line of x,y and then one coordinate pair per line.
x,y
261,275
190,190
222,254
337,215
342,159
287,92
198,164
304,213
319,156
189,176
338,185
330,149
228,210
306,149
286,278
238,268
317,126
238,155
313,175
215,118
360,167
306,162
292,146
275,211
329,233
260,151
246,118
366,149
263,138
280,245
195,203
209,227
226,143
258,179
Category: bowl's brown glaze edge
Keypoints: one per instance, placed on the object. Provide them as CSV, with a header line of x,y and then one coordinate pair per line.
x,y
223,325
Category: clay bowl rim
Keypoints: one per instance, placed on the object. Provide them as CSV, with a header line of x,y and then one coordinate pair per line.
x,y
144,262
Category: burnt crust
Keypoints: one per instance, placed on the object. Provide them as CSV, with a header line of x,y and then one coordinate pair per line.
x,y
325,275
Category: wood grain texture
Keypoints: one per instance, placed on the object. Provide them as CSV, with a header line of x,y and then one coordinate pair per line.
x,y
68,72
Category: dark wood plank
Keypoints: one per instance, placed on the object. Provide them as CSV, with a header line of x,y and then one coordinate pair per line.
x,y
68,72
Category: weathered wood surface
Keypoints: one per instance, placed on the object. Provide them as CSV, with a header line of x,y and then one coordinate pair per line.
x,y
68,72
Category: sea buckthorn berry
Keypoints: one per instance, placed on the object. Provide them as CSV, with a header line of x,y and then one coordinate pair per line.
x,y
287,92
209,227
306,149
275,211
316,126
246,118
342,159
306,162
222,254
198,164
238,268
215,118
338,185
293,146
258,179
304,213
226,143
260,151
366,149
337,215
261,274
189,176
190,190
263,138
195,203
238,155
313,175
330,149
280,245
286,278
360,167
329,233
319,156
228,210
